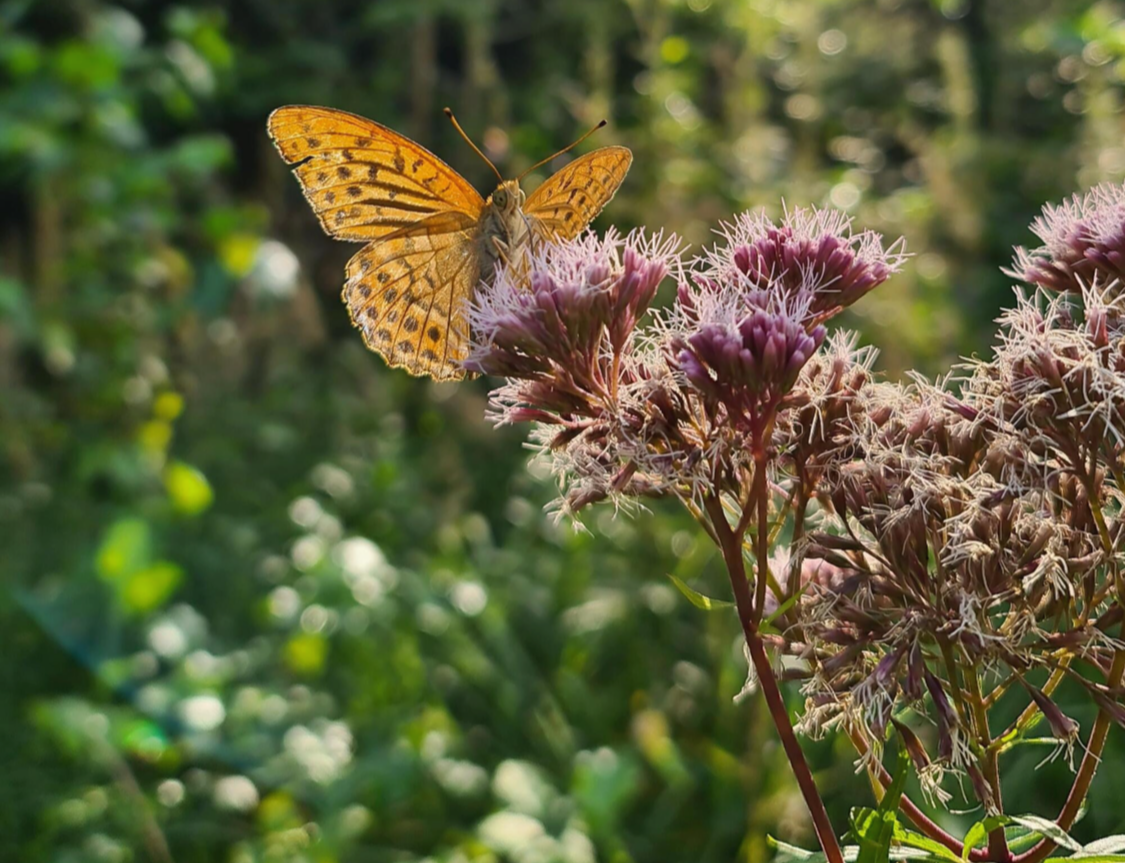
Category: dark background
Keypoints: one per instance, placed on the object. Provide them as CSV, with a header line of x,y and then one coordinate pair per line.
x,y
264,599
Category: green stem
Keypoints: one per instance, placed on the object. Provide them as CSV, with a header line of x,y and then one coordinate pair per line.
x,y
998,850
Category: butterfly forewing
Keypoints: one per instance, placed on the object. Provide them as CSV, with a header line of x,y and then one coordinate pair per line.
x,y
567,201
365,181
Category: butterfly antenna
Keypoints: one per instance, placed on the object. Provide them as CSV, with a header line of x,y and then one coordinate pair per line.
x,y
563,150
469,141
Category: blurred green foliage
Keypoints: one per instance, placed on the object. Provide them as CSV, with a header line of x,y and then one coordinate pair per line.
x,y
264,599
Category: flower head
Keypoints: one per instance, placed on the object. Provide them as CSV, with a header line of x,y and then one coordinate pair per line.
x,y
1083,241
748,363
569,305
813,256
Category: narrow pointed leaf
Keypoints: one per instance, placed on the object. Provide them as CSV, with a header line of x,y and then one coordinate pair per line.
x,y
698,599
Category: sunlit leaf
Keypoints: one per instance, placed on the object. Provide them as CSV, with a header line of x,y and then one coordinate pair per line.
x,y
187,488
306,653
1106,845
978,833
149,588
125,549
1047,828
168,406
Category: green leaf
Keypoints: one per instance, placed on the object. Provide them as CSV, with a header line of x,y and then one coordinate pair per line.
x,y
890,802
1110,845
149,588
1047,828
767,624
875,830
306,653
787,852
125,549
188,489
925,843
1089,858
978,833
698,599
792,852
1020,838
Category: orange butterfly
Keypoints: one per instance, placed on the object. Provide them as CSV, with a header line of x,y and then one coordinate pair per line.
x,y
430,236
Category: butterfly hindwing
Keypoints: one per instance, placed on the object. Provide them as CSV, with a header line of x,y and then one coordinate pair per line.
x,y
363,180
567,201
407,294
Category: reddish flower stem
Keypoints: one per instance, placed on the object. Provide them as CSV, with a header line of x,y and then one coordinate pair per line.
x,y
913,811
731,547
1086,770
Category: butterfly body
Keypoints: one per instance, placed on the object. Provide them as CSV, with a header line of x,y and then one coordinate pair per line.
x,y
504,232
431,238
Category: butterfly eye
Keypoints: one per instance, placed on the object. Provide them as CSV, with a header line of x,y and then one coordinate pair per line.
x,y
500,199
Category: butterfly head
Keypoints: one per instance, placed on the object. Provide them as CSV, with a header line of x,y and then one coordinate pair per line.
x,y
508,197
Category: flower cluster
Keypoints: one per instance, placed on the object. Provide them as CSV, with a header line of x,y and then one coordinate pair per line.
x,y
949,544
973,534
625,410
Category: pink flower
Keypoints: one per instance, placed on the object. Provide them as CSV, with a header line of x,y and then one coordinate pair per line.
x,y
571,304
813,257
748,363
1083,241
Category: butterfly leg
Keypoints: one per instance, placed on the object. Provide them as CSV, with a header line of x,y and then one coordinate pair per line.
x,y
502,249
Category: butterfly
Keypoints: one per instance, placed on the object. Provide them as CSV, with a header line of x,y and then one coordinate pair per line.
x,y
431,238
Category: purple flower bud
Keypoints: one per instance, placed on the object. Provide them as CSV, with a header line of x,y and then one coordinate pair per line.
x,y
947,719
1062,726
915,671
913,746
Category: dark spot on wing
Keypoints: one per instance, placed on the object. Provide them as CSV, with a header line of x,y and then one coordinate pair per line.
x,y
314,142
405,347
384,335
390,294
383,278
434,333
354,191
410,325
343,172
